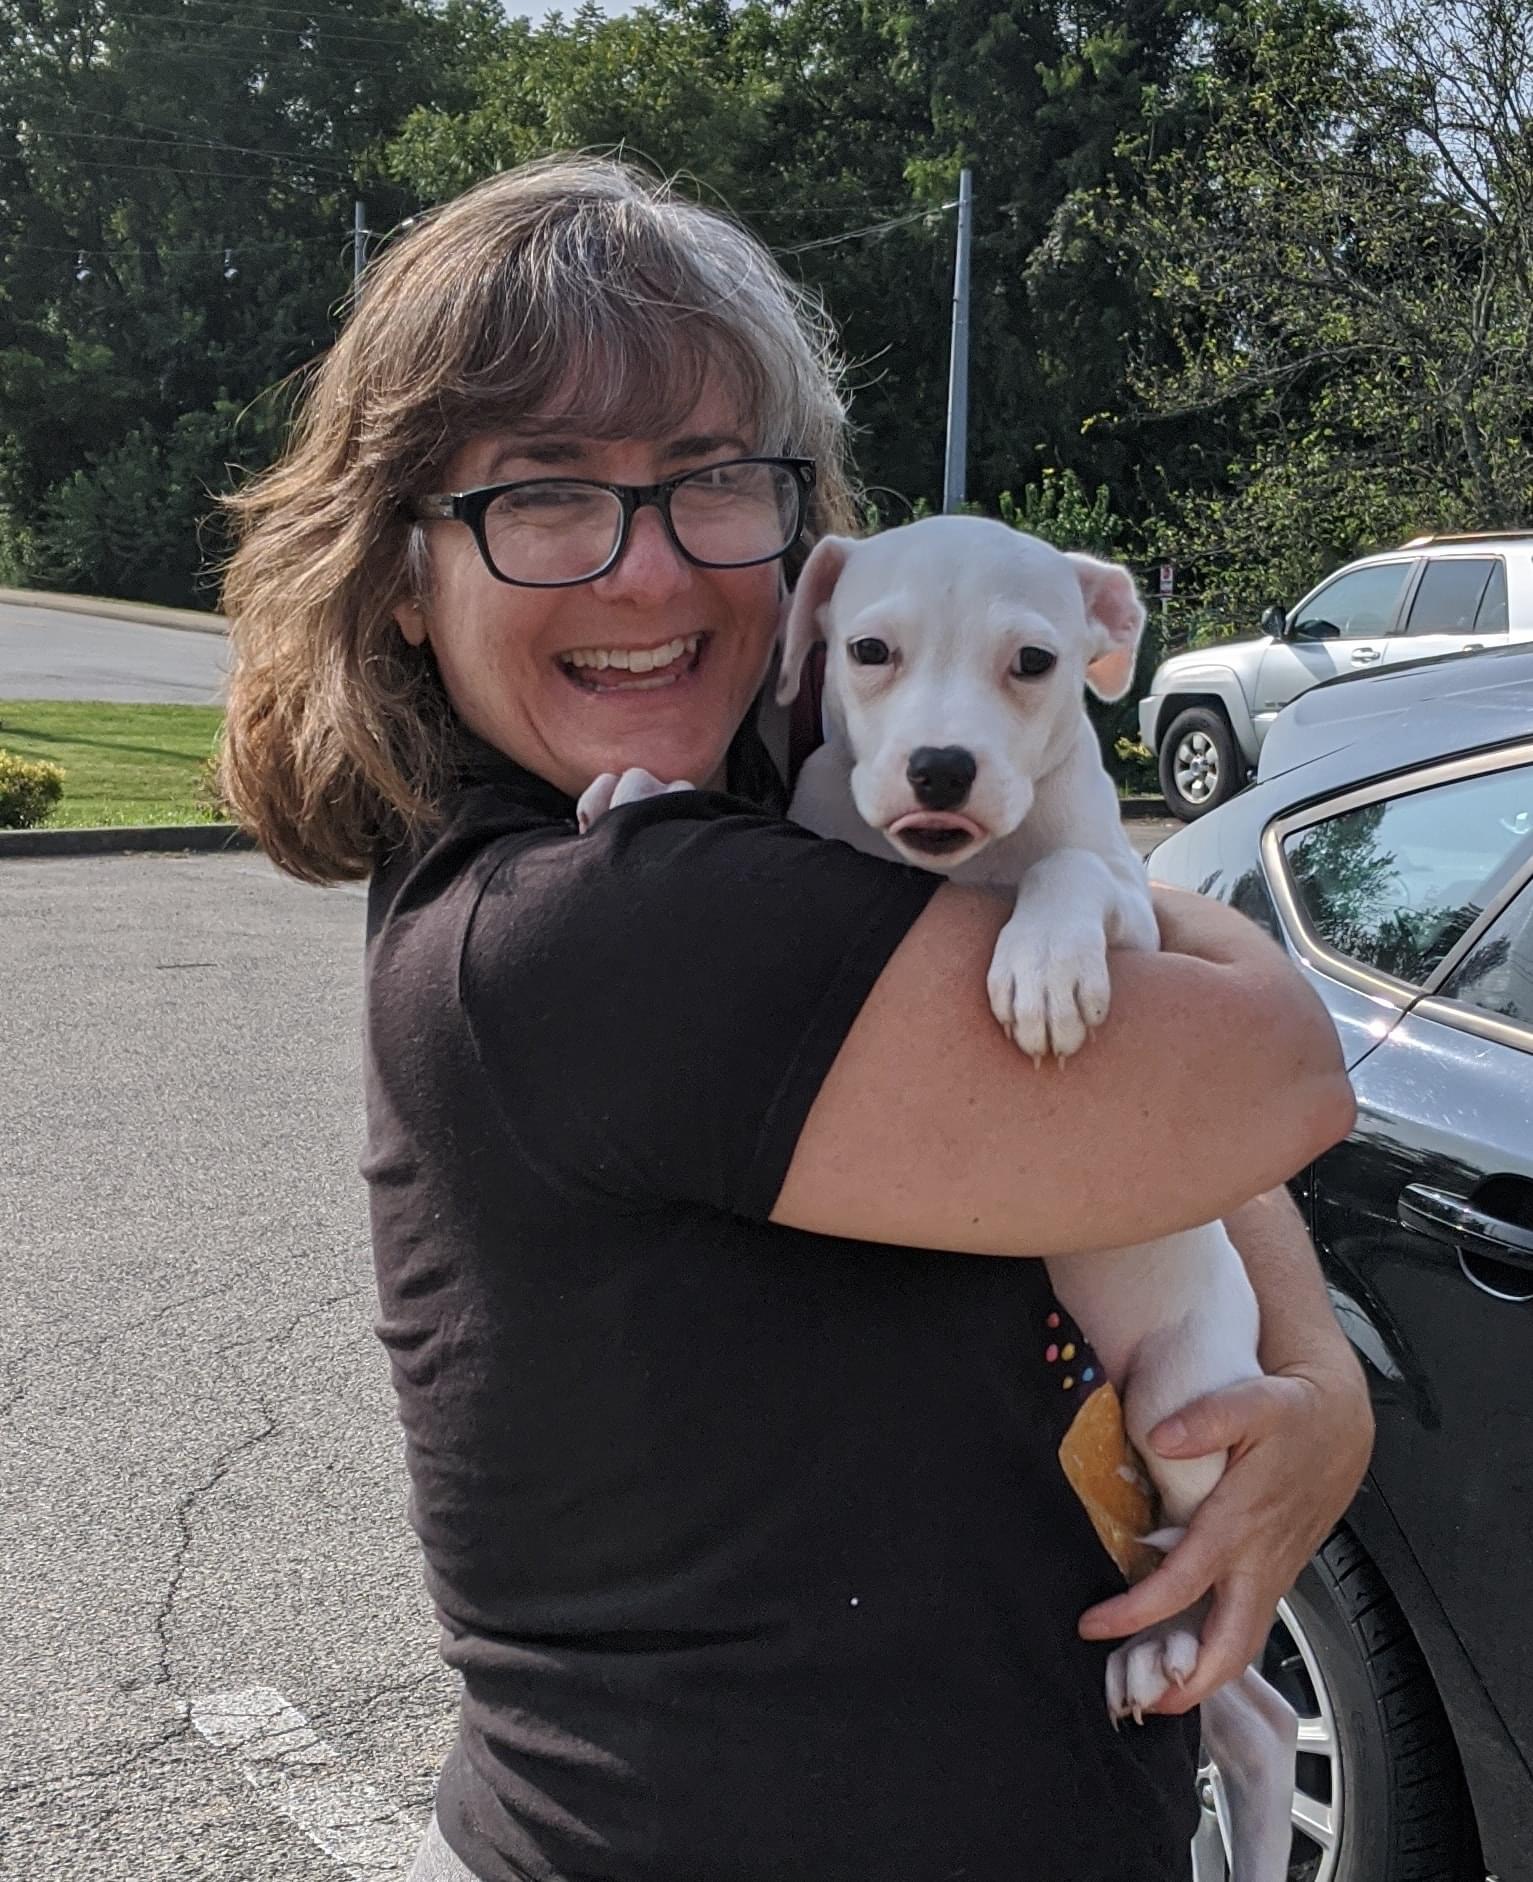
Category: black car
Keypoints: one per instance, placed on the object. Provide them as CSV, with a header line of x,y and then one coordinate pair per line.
x,y
1388,842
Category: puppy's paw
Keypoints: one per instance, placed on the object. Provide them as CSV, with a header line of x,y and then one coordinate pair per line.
x,y
1048,991
609,791
595,800
1144,1669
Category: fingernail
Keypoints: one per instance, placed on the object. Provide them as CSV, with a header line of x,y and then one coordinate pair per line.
x,y
1169,1435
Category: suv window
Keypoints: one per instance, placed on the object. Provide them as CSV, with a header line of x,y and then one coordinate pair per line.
x,y
1396,883
1491,618
1359,606
1448,596
1498,974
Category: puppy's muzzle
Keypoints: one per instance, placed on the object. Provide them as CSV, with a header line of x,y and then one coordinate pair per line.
x,y
941,776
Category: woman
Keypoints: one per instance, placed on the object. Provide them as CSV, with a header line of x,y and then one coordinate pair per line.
x,y
735,1467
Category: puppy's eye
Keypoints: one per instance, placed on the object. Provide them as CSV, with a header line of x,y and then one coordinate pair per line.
x,y
869,653
1032,663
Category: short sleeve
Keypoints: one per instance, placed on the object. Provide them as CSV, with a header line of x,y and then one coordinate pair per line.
x,y
656,1004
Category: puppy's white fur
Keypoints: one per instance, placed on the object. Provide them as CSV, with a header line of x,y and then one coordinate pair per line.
x,y
954,601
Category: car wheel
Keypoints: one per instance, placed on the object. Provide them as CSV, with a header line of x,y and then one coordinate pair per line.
x,y
1380,1796
1200,767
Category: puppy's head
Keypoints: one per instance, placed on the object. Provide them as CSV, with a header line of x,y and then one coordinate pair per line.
x,y
957,652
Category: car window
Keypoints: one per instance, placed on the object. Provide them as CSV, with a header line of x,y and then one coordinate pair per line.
x,y
1497,973
1359,605
1396,883
1491,618
1447,598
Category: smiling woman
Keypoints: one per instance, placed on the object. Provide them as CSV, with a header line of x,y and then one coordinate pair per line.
x,y
744,1514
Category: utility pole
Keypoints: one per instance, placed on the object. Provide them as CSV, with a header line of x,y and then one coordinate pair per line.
x,y
958,361
358,243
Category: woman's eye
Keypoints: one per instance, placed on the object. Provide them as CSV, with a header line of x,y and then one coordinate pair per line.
x,y
869,653
1032,662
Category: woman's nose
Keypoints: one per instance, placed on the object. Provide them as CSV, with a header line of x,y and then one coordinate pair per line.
x,y
651,567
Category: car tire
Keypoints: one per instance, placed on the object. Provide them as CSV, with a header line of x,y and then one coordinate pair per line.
x,y
1377,1763
1200,764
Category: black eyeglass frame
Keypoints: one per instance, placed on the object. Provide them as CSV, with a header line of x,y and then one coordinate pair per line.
x,y
470,506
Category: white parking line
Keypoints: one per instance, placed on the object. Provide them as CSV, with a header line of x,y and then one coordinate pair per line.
x,y
286,1760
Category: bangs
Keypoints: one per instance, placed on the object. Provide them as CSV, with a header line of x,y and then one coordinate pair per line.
x,y
614,325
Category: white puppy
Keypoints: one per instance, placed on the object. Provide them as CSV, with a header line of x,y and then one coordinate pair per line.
x,y
958,651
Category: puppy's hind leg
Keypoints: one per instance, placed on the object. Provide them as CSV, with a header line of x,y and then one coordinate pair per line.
x,y
1252,1734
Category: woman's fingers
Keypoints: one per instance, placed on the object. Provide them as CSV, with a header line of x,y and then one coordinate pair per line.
x,y
1182,1579
1239,1415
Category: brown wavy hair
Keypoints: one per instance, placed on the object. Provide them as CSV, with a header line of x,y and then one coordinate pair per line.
x,y
572,284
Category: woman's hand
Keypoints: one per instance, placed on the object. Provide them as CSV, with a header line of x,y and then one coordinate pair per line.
x,y
1298,1443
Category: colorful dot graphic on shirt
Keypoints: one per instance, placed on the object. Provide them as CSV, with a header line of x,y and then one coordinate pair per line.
x,y
1051,1353
1067,1352
1066,1382
1052,1321
1088,1375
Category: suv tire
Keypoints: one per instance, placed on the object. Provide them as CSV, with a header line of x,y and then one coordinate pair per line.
x,y
1200,767
1386,1766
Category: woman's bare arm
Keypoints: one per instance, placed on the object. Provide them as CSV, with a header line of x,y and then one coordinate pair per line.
x,y
1216,1077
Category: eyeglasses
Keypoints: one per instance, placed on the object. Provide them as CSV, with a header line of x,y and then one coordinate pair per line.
x,y
552,532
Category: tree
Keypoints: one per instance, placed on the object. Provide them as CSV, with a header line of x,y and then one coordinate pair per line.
x,y
1344,253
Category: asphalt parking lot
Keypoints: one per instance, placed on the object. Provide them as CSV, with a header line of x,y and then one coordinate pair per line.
x,y
201,1488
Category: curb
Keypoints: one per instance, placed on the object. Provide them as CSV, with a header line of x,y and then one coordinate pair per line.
x,y
143,612
1131,808
124,840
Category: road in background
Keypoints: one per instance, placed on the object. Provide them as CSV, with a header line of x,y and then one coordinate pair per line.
x,y
46,653
201,1483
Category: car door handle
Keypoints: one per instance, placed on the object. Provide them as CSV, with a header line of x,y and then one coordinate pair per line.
x,y
1365,656
1452,1219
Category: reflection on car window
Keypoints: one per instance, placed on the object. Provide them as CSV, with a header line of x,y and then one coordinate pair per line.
x,y
1491,618
1448,596
1498,974
1359,606
1395,884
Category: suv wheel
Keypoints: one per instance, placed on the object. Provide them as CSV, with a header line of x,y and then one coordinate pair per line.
x,y
1380,1796
1199,765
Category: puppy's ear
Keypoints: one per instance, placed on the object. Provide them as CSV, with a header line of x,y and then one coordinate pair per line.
x,y
803,626
1116,613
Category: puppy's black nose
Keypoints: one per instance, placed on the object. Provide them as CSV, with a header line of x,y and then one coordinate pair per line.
x,y
940,775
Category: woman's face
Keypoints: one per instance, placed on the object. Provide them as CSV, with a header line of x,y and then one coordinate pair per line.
x,y
504,652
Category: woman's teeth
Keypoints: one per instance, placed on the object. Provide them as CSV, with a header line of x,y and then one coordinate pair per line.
x,y
634,659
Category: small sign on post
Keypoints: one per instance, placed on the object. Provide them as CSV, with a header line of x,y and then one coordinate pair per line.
x,y
1167,580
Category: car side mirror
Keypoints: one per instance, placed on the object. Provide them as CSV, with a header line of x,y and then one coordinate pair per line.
x,y
1313,630
1274,622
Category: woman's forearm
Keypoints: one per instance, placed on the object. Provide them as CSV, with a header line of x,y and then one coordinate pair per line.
x,y
1299,1328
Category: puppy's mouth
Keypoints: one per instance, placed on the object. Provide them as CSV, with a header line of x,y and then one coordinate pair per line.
x,y
935,835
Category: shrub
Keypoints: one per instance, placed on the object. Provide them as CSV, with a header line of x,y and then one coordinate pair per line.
x,y
209,797
28,791
1136,766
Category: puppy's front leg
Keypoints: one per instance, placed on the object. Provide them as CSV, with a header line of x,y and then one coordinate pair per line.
x,y
609,791
1048,976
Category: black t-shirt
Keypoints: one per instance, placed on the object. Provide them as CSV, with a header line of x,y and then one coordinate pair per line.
x,y
752,1546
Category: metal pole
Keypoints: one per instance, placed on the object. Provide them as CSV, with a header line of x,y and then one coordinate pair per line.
x,y
358,243
958,361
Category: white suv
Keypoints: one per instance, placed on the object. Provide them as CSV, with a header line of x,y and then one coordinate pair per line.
x,y
1206,713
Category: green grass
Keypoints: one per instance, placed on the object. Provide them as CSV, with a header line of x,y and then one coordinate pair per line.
x,y
121,764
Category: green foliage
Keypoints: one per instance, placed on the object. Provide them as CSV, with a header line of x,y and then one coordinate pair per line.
x,y
1136,768
28,791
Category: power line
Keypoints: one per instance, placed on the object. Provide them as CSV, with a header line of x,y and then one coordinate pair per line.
x,y
872,228
185,143
266,26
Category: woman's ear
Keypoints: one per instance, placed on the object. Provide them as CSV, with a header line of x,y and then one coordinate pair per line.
x,y
1115,610
411,620
802,626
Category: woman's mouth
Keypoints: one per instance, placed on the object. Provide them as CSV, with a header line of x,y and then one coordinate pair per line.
x,y
633,669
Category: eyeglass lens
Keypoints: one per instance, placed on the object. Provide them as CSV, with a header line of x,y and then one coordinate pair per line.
x,y
725,515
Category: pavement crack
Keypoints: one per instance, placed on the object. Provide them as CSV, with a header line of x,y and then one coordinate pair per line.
x,y
188,1502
